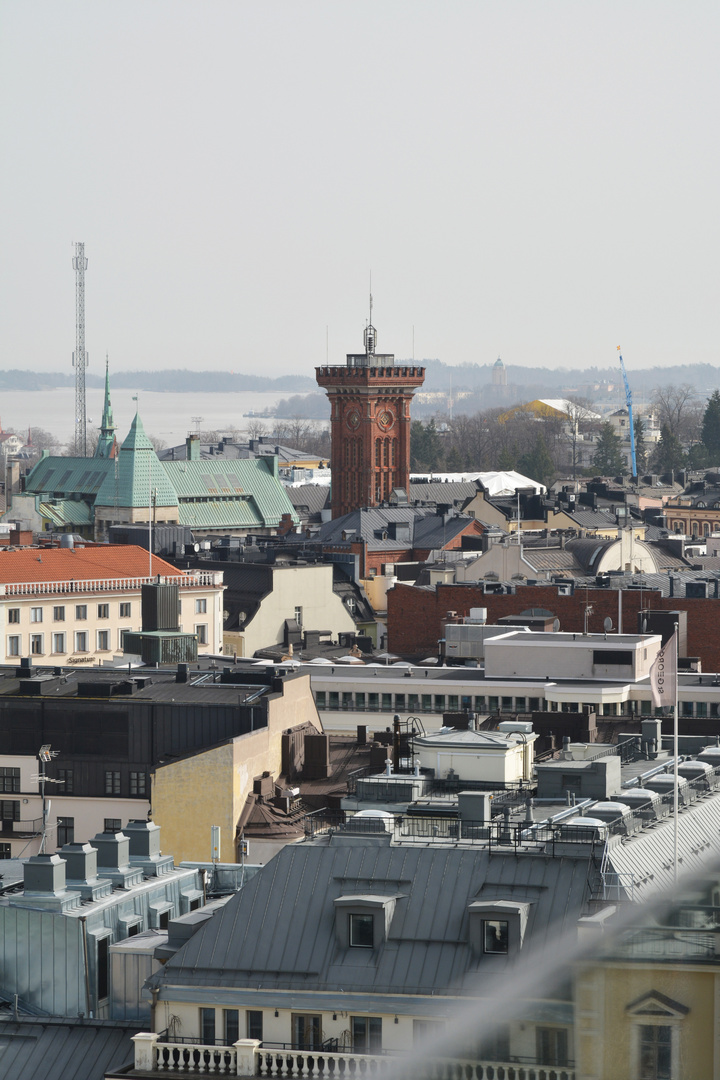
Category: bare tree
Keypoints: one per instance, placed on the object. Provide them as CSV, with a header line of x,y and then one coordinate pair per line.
x,y
678,411
580,419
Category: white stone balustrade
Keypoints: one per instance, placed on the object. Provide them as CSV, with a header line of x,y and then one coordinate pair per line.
x,y
248,1058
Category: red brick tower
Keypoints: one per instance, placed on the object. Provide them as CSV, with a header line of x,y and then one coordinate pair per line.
x,y
370,425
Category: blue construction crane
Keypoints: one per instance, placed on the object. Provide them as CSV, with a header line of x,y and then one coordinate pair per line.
x,y
628,399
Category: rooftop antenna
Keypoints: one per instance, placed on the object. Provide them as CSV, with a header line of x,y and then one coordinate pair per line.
x,y
80,357
45,754
370,332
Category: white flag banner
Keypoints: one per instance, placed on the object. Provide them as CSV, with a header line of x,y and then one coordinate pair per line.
x,y
663,675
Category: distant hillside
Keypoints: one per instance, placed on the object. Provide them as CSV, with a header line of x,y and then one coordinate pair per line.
x,y
177,380
543,382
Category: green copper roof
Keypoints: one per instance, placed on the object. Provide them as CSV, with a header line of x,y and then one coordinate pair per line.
x,y
107,425
215,493
138,473
62,476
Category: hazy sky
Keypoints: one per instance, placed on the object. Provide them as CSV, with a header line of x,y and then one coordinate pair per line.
x,y
534,180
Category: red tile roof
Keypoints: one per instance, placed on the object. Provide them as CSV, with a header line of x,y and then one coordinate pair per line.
x,y
82,564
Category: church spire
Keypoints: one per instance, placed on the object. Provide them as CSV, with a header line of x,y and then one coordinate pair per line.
x,y
107,446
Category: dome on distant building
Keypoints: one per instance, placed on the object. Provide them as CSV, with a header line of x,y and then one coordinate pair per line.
x,y
499,374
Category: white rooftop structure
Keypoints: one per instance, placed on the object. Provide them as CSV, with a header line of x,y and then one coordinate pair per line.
x,y
495,483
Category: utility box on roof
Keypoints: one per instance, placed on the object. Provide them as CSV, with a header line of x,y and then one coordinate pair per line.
x,y
160,607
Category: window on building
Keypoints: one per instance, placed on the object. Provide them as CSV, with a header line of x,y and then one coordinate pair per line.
x,y
479,704
413,703
65,776
400,703
121,636
125,610
9,779
534,704
59,613
520,704
81,612
112,824
551,1045
103,611
112,782
386,702
13,645
231,1026
645,708
334,699
701,708
366,1034
137,783
65,831
103,967
495,1044
81,641
207,1026
374,702
686,708
201,632
36,644
254,1024
58,643
306,1031
361,931
493,704
359,700
347,699
426,702
655,1048
506,704
5,851
13,615
200,606
320,699
299,616
36,614
425,1030
10,809
103,640
495,936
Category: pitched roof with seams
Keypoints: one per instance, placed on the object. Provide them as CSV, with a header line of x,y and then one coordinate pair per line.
x,y
281,926
140,476
242,492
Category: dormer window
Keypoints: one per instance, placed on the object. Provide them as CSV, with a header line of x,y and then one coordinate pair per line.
x,y
362,920
360,928
495,935
497,927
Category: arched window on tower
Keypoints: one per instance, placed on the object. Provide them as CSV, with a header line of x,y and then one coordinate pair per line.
x,y
378,443
386,452
393,451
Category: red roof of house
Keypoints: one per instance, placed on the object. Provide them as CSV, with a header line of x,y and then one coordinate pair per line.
x,y
80,564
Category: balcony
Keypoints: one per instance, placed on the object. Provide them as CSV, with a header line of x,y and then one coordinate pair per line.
x,y
249,1058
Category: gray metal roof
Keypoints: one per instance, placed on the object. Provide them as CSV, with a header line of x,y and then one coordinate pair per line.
x,y
54,1049
279,931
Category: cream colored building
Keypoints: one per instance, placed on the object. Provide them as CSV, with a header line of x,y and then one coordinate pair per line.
x,y
277,594
64,606
192,793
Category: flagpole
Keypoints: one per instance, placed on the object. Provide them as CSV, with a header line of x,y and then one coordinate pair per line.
x,y
676,785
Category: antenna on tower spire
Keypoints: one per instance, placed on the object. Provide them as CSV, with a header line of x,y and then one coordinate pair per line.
x,y
80,357
370,331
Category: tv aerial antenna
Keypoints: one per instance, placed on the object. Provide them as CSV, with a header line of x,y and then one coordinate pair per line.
x,y
45,754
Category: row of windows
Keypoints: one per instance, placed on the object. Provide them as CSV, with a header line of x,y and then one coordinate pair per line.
x,y
59,612
222,1026
80,641
9,779
113,786
59,642
37,614
424,703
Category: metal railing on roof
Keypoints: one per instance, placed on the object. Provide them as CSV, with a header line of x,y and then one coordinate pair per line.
x,y
95,585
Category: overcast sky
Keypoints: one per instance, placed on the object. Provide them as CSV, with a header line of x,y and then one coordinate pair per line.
x,y
535,180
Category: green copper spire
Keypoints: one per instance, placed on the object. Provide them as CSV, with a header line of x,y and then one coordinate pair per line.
x,y
106,442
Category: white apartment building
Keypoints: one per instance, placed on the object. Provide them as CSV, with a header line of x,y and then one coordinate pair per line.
x,y
70,606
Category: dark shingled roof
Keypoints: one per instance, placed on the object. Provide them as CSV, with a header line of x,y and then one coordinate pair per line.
x,y
61,1049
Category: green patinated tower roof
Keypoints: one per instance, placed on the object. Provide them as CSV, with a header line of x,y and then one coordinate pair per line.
x,y
138,472
106,442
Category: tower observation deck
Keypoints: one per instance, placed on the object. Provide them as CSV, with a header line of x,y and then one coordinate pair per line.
x,y
369,424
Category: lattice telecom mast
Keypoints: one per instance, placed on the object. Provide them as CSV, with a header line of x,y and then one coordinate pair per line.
x,y
80,357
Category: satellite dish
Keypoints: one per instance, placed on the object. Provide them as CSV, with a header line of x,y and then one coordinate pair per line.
x,y
608,625
556,625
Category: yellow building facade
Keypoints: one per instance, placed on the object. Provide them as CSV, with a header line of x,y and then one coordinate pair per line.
x,y
192,793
